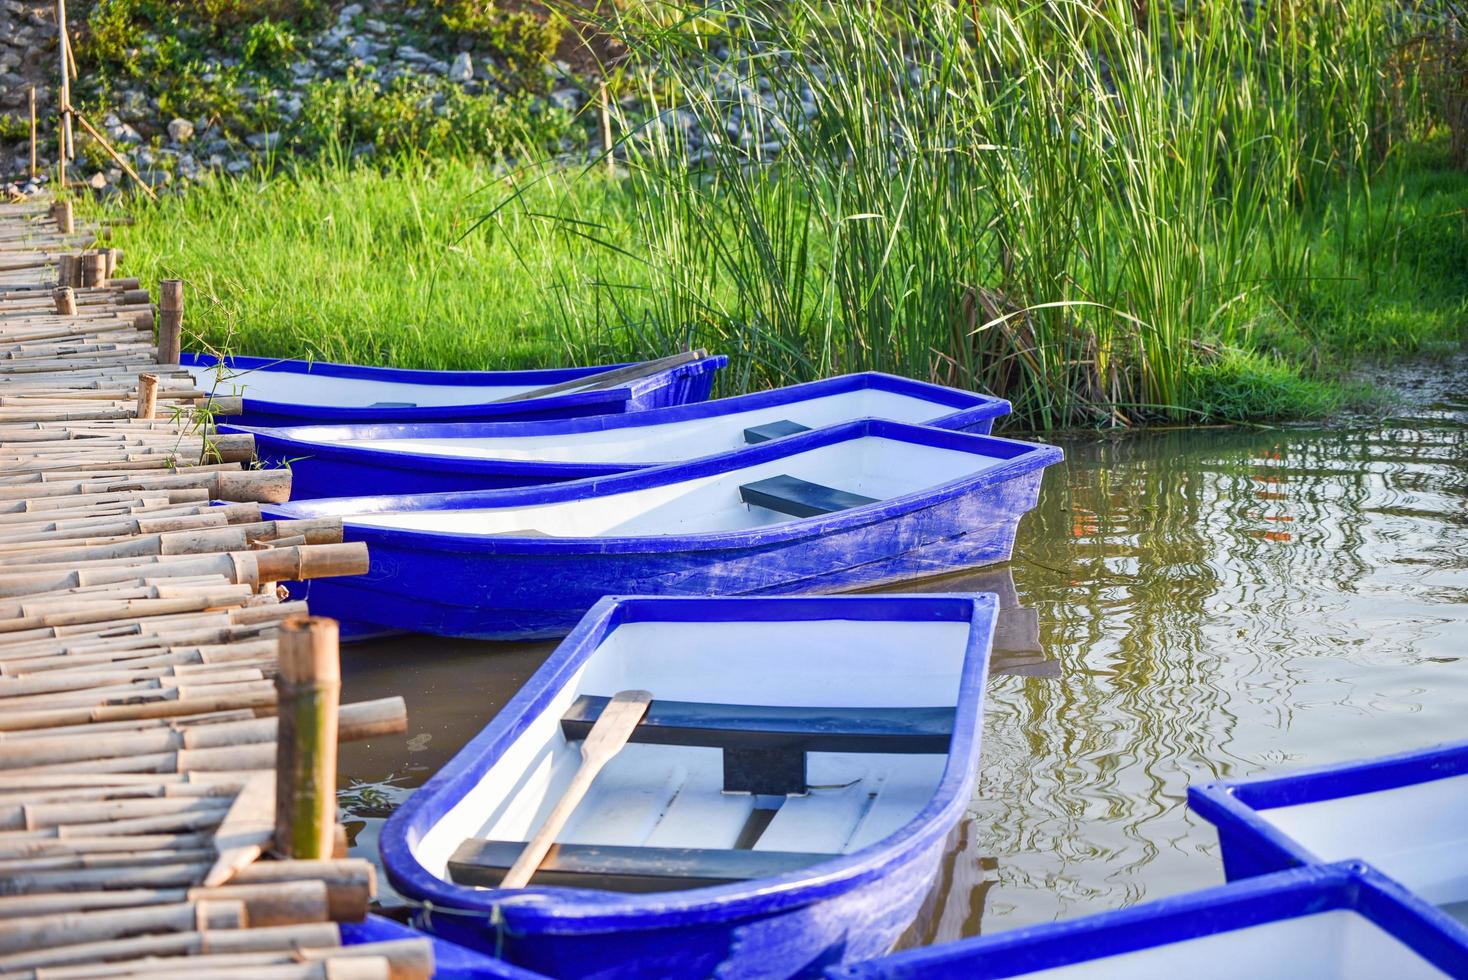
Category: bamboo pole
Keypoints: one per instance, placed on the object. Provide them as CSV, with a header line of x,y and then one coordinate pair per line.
x,y
147,396
308,689
170,320
94,269
65,299
34,171
63,95
604,106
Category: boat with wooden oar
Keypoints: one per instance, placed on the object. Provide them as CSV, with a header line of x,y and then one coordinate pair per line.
x,y
287,392
852,505
1343,921
378,458
708,787
1407,814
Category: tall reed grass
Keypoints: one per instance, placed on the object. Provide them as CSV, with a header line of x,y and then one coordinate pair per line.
x,y
1083,205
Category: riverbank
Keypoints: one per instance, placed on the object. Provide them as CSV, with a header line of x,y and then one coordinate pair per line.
x,y
293,266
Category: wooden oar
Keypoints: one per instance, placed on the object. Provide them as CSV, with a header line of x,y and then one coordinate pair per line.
x,y
612,730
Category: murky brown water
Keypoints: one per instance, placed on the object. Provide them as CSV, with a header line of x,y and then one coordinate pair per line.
x,y
1184,605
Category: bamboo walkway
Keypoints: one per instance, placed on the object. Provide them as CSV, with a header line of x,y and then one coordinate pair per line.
x,y
139,635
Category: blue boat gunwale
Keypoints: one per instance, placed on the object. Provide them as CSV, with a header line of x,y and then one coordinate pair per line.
x,y
581,911
535,376
1021,458
1281,895
1235,804
971,407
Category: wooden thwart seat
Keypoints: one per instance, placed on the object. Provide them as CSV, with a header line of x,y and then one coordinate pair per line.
x,y
773,430
799,498
746,726
632,869
765,746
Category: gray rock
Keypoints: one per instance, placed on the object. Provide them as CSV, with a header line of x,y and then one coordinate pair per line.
x,y
348,12
360,47
97,181
123,133
180,130
569,99
263,141
462,69
237,167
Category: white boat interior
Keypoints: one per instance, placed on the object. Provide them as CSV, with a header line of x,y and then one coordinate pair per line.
x,y
869,466
664,442
296,388
1335,945
1417,834
661,796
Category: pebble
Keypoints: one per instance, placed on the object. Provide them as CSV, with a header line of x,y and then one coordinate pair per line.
x,y
180,130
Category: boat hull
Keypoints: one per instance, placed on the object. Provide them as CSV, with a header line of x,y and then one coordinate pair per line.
x,y
450,961
850,906
858,924
1407,814
320,468
691,382
419,583
1344,920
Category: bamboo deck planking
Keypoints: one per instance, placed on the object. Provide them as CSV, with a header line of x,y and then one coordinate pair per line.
x,y
139,633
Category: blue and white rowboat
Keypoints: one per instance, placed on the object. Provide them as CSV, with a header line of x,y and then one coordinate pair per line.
x,y
345,460
782,806
1407,814
285,392
1336,922
853,505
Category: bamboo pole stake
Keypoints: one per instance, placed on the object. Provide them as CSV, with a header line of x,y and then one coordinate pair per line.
x,y
147,395
308,689
64,223
605,111
94,269
65,299
67,149
170,320
34,172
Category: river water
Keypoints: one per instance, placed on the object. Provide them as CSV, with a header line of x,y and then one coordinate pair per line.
x,y
1183,605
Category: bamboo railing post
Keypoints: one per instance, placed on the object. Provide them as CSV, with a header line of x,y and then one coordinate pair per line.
x,y
68,150
147,396
94,269
65,300
64,222
308,689
33,133
170,321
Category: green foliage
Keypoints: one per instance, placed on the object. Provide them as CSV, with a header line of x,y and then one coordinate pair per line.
x,y
523,39
269,44
417,117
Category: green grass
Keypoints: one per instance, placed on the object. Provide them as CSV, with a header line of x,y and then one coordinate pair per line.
x,y
354,264
399,268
